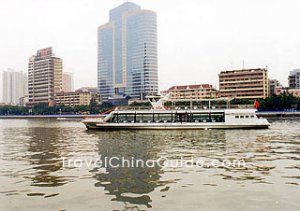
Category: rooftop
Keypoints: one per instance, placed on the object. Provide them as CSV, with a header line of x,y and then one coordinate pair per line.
x,y
244,70
196,86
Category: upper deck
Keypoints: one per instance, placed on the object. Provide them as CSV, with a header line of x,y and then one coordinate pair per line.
x,y
148,110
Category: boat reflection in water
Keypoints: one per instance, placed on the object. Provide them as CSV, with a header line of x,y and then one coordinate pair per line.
x,y
134,185
129,184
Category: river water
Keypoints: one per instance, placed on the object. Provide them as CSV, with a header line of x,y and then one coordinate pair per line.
x,y
51,165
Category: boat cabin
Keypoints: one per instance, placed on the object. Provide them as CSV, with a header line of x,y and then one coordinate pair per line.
x,y
165,117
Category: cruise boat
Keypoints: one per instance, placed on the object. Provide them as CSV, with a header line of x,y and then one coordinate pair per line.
x,y
190,118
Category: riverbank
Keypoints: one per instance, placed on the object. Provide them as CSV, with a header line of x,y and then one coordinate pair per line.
x,y
71,116
278,114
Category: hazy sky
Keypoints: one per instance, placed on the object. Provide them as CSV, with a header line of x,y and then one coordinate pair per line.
x,y
196,38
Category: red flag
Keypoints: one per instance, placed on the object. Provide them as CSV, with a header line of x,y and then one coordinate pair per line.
x,y
256,104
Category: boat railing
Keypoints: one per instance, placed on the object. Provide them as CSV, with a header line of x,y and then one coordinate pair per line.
x,y
135,108
193,107
132,108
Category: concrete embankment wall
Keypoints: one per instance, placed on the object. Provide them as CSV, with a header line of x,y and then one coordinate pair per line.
x,y
48,116
279,114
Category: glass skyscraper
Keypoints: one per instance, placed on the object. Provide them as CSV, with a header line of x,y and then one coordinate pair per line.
x,y
127,53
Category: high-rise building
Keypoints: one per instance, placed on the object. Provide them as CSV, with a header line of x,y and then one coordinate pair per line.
x,y
44,77
127,53
294,79
244,84
14,86
67,82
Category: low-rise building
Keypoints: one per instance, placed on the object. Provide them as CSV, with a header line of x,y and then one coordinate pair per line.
x,y
275,88
94,92
198,91
294,92
244,84
281,90
119,100
23,100
5,104
76,98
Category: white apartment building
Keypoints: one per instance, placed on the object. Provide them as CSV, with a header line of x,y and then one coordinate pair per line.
x,y
14,86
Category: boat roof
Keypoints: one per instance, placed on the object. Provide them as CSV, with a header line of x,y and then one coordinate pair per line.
x,y
227,111
226,99
168,99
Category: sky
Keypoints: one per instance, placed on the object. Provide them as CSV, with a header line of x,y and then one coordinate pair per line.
x,y
196,38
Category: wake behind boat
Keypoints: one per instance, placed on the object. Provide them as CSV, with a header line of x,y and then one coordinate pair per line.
x,y
193,118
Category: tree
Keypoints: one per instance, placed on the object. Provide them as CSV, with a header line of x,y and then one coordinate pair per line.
x,y
281,102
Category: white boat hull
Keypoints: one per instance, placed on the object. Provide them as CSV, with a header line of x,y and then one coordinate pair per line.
x,y
171,126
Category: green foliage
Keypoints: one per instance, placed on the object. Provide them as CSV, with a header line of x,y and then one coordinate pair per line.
x,y
140,104
241,102
13,110
96,109
44,109
281,102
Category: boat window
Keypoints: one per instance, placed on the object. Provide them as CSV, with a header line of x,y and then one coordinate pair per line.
x,y
139,118
147,118
114,118
121,118
130,117
163,118
200,117
247,117
237,117
183,117
125,118
218,117
241,117
252,116
142,118
169,117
